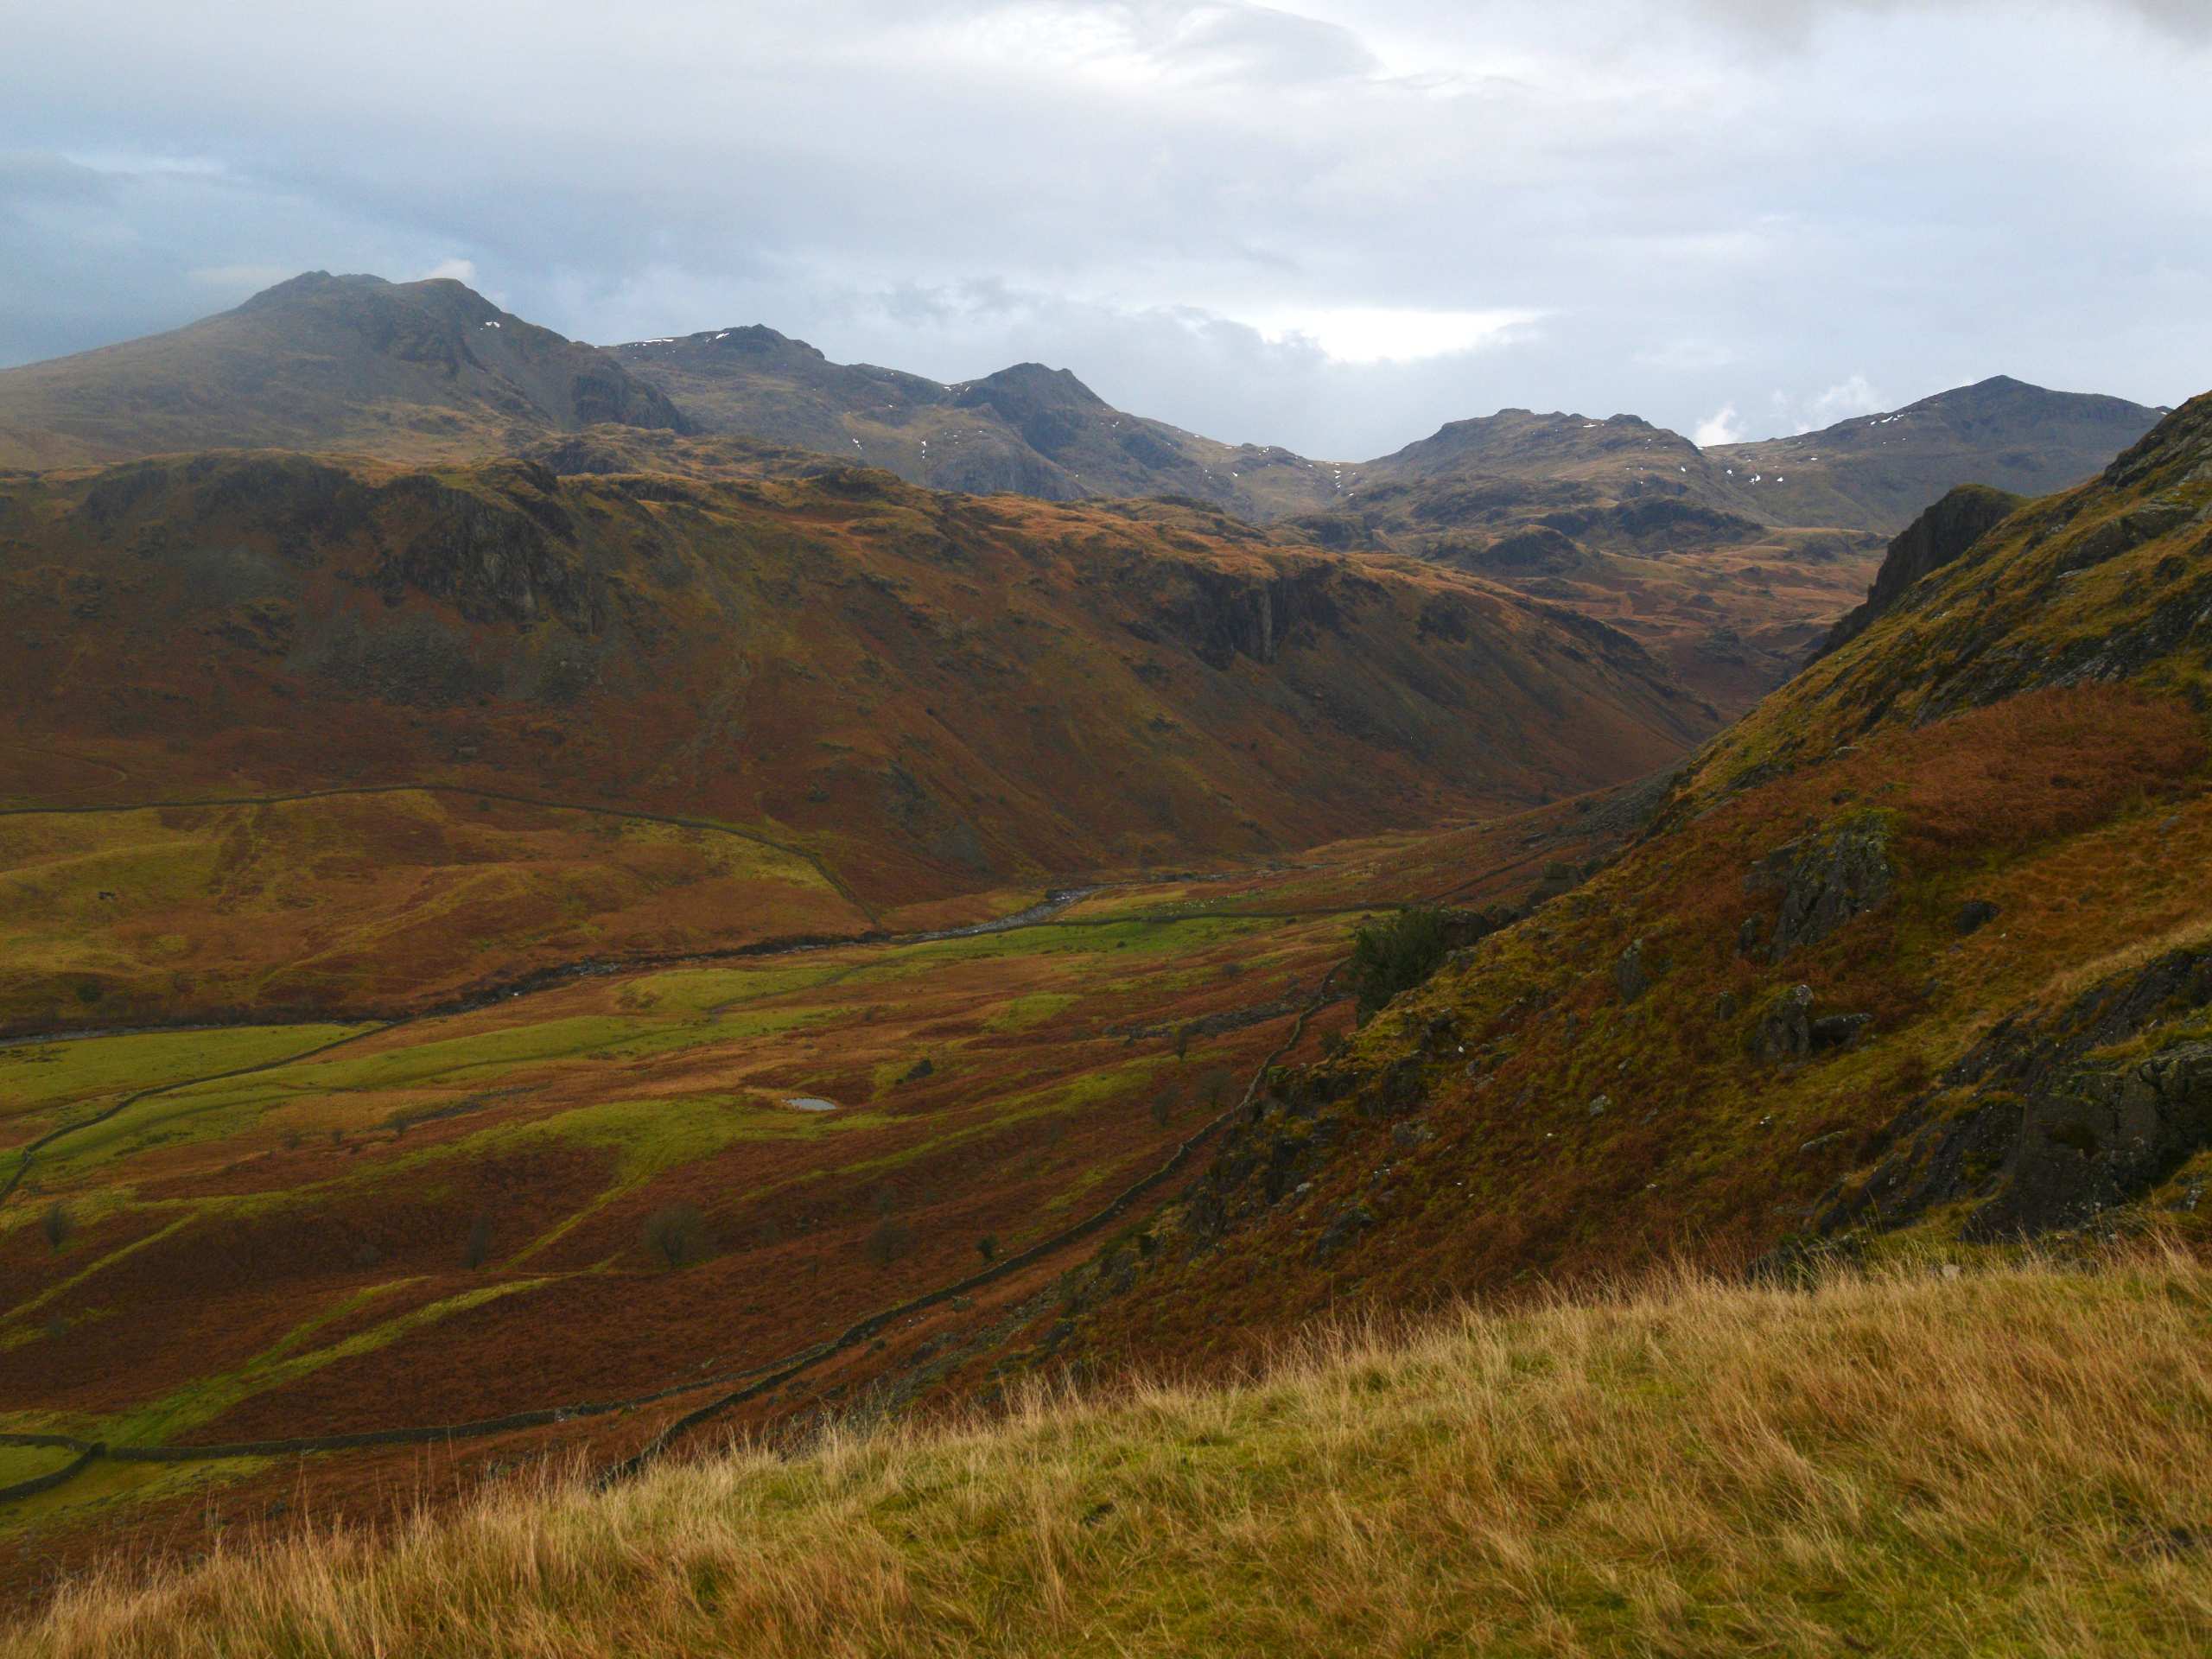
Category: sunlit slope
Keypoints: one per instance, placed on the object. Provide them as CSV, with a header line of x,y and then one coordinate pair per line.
x,y
392,899
923,693
2011,1465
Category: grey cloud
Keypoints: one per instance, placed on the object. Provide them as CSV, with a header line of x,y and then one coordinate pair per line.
x,y
1795,20
1132,188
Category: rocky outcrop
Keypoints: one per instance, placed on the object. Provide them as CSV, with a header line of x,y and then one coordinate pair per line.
x,y
1930,542
1787,1029
494,560
1222,615
1826,881
2050,1122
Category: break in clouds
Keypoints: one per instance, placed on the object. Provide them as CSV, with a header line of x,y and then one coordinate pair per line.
x,y
1327,226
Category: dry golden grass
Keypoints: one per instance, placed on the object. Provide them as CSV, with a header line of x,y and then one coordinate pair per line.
x,y
2016,1462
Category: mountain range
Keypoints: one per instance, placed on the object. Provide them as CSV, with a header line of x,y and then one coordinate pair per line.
x,y
1729,564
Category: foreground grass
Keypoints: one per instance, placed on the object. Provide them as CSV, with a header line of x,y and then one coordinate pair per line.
x,y
2013,1462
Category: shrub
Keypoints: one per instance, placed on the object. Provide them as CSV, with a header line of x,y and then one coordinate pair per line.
x,y
478,1249
1163,1107
987,1247
890,1240
677,1234
1396,954
57,1223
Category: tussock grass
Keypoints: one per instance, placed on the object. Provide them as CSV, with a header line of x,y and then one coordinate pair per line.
x,y
2014,1462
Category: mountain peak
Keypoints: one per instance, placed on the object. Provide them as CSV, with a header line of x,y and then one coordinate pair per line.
x,y
1031,386
351,362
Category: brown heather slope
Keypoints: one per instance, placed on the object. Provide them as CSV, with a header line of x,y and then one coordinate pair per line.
x,y
920,695
1920,951
413,371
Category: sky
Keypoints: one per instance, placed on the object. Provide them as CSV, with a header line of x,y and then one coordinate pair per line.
x,y
1329,225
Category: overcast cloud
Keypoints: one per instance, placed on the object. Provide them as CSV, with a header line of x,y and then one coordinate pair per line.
x,y
1330,226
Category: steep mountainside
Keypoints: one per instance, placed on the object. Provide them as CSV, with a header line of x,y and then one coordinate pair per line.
x,y
889,678
407,370
1919,951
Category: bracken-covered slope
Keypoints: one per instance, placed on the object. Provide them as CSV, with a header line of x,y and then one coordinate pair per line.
x,y
1730,564
928,692
413,371
1922,945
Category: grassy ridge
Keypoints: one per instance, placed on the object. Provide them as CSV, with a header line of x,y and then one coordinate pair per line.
x,y
2013,1463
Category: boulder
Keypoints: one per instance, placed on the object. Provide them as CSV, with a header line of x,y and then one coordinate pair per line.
x,y
1827,881
1631,977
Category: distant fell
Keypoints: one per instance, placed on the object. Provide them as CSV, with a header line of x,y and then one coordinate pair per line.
x,y
1877,472
415,370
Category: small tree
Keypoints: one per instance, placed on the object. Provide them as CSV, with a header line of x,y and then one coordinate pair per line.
x,y
1395,954
987,1247
57,1223
1163,1108
478,1250
891,1240
1214,1087
677,1233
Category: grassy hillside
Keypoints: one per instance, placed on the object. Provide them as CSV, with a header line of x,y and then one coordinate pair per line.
x,y
378,902
255,1233
2008,1464
414,370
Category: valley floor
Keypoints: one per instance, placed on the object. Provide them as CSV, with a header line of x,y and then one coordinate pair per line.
x,y
2002,1463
